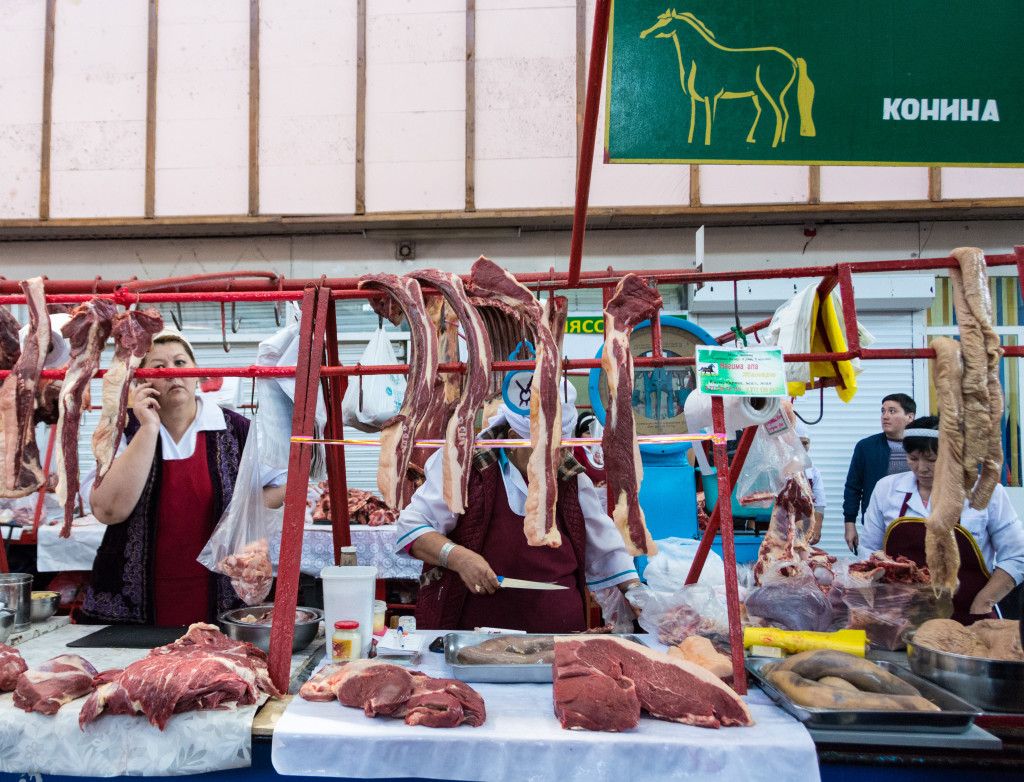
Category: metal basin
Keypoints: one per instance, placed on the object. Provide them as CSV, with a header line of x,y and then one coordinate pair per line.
x,y
6,624
991,685
43,606
232,624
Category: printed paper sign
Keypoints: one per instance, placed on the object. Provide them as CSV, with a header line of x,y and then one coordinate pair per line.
x,y
740,371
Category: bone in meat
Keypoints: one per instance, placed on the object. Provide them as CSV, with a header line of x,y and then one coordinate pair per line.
x,y
87,333
633,302
460,437
786,539
22,473
982,391
133,334
941,553
397,435
490,280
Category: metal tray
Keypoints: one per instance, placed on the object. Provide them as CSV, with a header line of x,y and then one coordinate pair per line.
x,y
504,673
956,716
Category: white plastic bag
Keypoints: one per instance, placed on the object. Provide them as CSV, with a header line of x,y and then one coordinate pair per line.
x,y
276,396
240,544
373,400
667,571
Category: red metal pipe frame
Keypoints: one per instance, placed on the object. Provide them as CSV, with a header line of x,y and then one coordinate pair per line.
x,y
275,288
598,45
724,508
307,382
337,483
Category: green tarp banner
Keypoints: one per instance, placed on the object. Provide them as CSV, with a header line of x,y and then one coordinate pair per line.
x,y
876,82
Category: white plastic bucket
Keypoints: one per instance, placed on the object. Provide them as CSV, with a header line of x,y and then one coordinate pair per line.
x,y
349,594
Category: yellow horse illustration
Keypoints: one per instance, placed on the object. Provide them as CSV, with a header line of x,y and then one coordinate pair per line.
x,y
716,71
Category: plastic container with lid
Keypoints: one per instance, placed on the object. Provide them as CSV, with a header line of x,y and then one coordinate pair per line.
x,y
345,642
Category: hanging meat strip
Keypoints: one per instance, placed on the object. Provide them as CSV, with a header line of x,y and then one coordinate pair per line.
x,y
948,491
22,473
634,301
87,333
982,391
405,299
488,280
133,332
460,437
10,347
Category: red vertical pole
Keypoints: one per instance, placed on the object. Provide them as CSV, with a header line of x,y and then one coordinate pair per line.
x,y
849,308
738,459
598,44
46,472
724,507
307,381
337,486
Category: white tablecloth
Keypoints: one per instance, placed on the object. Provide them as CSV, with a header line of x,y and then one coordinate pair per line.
x,y
521,741
374,545
191,743
54,553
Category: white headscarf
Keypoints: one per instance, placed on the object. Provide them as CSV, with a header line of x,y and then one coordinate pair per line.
x,y
520,424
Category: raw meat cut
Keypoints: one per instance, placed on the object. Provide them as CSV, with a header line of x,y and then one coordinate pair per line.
x,y
442,703
883,568
133,334
22,473
87,333
251,571
56,682
460,437
488,280
10,345
589,699
788,531
700,651
940,548
989,639
203,669
404,299
385,688
634,301
12,665
363,508
667,687
510,649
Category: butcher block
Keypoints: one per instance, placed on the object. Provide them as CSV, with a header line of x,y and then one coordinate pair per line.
x,y
192,742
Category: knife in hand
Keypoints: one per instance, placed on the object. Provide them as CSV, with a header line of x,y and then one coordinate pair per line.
x,y
518,583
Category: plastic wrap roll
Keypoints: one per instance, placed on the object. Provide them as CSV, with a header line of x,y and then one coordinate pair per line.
x,y
740,411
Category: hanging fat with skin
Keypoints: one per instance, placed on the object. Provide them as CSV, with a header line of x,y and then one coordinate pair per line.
x,y
633,302
460,435
404,300
489,281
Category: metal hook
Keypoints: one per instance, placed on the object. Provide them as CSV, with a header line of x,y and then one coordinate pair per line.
x,y
380,321
179,320
279,305
235,324
224,330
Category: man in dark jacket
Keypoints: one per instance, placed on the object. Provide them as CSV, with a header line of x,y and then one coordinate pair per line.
x,y
873,458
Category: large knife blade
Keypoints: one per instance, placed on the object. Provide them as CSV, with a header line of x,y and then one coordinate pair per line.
x,y
518,583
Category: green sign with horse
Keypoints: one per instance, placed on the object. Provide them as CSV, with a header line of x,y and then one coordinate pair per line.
x,y
878,82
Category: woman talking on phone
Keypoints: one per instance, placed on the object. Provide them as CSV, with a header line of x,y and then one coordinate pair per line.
x,y
165,491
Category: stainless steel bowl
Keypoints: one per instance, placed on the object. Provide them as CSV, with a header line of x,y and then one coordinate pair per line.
x,y
43,606
6,624
233,625
991,685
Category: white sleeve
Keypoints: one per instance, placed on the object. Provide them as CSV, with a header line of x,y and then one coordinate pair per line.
x,y
818,487
272,477
1007,534
86,484
608,563
872,532
427,511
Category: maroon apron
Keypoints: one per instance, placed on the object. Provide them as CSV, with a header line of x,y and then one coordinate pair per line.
x,y
905,536
533,610
183,527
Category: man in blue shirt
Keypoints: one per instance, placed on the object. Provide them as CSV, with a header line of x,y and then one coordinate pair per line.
x,y
873,458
